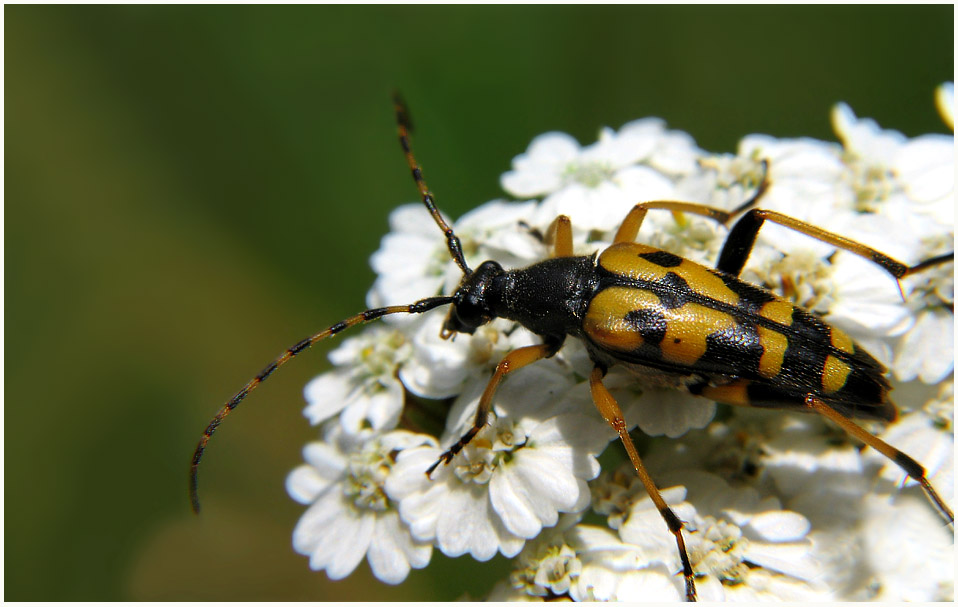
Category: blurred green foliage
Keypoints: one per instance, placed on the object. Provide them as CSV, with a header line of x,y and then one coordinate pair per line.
x,y
191,189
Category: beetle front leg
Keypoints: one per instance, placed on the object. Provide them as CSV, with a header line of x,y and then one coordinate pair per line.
x,y
559,234
512,362
605,403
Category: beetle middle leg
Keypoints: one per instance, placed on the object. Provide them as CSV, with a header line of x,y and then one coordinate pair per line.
x,y
902,460
629,228
513,361
605,403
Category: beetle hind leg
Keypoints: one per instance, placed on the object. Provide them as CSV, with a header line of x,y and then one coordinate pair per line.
x,y
901,459
741,240
605,403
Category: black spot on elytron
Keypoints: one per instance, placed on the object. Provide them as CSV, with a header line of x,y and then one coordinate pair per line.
x,y
673,291
677,340
662,258
811,328
650,324
737,348
751,298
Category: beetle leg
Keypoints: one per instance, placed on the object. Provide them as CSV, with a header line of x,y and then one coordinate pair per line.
x,y
633,221
609,409
739,243
559,234
513,361
903,461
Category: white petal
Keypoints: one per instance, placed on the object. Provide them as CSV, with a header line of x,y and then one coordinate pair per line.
x,y
908,549
926,166
325,459
928,349
669,412
648,585
465,524
303,484
709,589
327,395
538,171
529,491
317,521
864,136
779,526
794,559
378,410
346,544
390,548
675,154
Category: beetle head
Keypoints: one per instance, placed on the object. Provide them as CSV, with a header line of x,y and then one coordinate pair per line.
x,y
471,306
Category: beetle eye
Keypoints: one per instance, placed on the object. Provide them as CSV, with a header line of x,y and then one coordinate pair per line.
x,y
464,319
470,315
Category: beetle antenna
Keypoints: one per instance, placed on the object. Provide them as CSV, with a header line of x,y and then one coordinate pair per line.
x,y
405,127
423,305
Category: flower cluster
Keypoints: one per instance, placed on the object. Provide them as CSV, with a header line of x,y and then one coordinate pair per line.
x,y
775,505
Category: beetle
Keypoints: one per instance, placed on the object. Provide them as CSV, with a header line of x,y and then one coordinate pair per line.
x,y
670,321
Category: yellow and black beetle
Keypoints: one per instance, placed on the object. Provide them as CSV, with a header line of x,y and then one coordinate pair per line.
x,y
670,321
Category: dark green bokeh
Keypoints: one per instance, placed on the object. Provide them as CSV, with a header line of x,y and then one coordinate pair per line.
x,y
189,190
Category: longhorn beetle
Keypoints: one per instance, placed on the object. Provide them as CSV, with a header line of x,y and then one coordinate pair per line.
x,y
669,320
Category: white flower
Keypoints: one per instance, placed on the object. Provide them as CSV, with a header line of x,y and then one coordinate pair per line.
x,y
412,262
349,514
926,349
363,388
603,206
587,563
804,174
440,368
656,411
885,167
508,483
909,553
741,546
597,185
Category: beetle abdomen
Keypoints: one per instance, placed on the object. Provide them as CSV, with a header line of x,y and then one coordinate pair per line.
x,y
665,312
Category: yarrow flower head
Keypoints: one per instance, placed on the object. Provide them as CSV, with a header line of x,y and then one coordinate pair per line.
x,y
774,505
350,515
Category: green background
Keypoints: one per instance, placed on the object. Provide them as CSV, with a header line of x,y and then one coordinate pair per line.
x,y
190,190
